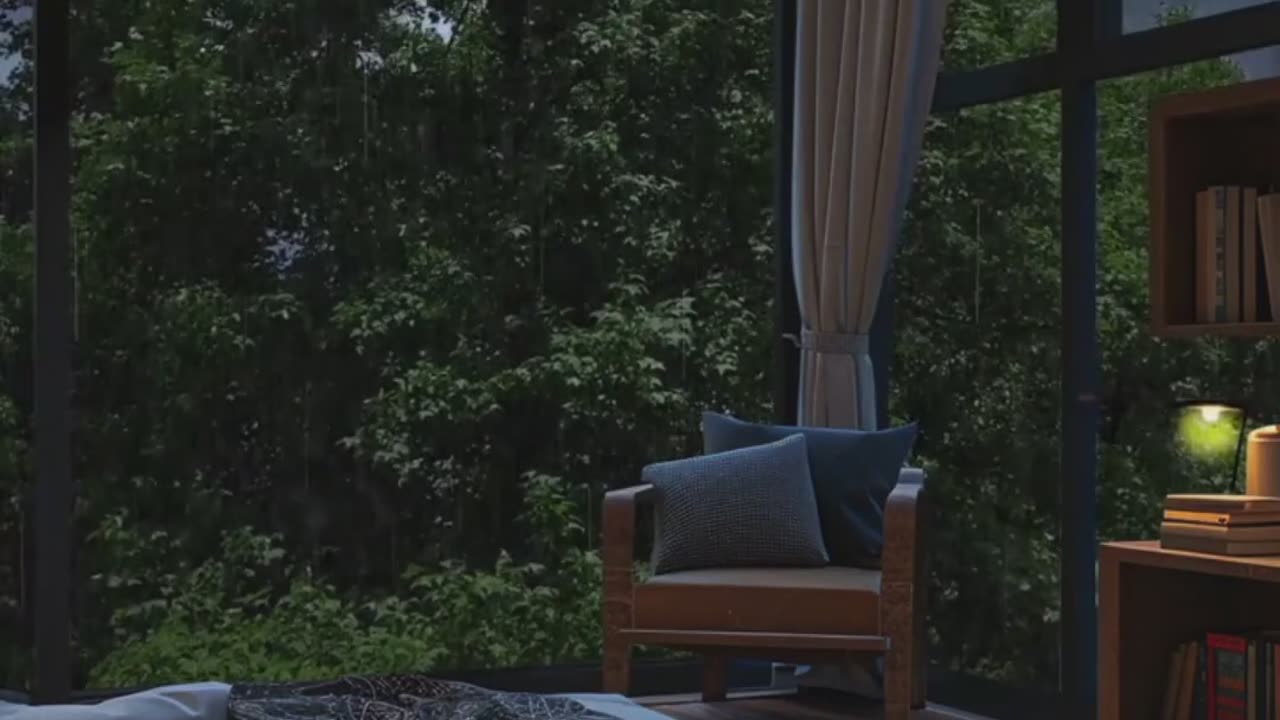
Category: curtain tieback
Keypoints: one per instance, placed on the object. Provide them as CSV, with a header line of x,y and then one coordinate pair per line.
x,y
830,343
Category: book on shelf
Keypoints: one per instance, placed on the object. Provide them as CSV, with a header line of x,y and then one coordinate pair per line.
x,y
1265,532
1269,240
1210,265
1187,682
1237,255
1222,524
1213,502
1223,676
1231,277
1211,517
1217,546
1173,683
1249,259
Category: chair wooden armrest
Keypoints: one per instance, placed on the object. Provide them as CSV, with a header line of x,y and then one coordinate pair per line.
x,y
904,525
619,527
904,584
618,559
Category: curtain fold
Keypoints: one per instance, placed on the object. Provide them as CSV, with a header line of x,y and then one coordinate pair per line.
x,y
865,73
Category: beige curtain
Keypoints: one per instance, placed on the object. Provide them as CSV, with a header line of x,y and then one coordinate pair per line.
x,y
865,72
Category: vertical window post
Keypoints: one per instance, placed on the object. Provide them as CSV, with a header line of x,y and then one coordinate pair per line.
x,y
786,308
52,366
1080,360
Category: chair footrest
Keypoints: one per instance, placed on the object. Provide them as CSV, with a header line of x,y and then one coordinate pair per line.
x,y
765,640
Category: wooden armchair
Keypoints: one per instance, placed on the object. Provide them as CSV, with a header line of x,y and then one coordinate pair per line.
x,y
826,615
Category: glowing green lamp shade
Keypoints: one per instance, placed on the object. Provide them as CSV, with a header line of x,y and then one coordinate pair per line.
x,y
1210,429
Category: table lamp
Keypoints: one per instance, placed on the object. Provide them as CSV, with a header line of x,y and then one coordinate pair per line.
x,y
1206,425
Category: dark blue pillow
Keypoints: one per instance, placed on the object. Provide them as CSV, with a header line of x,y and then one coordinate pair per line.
x,y
749,507
853,473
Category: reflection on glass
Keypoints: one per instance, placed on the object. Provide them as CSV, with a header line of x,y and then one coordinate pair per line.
x,y
1146,14
984,32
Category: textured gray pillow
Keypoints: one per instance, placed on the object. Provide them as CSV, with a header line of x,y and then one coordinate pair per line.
x,y
753,506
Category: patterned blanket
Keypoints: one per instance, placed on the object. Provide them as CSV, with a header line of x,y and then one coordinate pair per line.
x,y
397,697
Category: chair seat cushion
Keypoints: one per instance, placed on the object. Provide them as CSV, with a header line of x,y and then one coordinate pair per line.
x,y
833,599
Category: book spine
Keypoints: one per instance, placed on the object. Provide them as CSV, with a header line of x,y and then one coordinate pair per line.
x,y
1267,231
1253,684
1169,709
1204,256
1220,254
1234,244
1269,692
1249,241
1201,702
1228,676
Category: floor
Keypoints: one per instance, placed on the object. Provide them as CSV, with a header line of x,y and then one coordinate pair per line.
x,y
772,706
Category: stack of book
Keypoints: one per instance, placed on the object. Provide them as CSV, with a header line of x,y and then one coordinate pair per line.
x,y
1222,524
1237,255
1224,676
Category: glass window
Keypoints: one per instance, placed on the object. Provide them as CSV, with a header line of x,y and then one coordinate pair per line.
x,y
1259,64
16,269
1146,14
377,299
981,32
977,364
1151,444
977,356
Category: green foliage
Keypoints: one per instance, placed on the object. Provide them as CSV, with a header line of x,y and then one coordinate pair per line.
x,y
221,622
370,315
249,614
393,298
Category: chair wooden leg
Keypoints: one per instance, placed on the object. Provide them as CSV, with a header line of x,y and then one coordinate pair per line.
x,y
920,669
617,665
899,662
897,688
715,678
919,674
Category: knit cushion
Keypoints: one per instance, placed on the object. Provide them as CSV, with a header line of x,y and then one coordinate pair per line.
x,y
853,473
752,506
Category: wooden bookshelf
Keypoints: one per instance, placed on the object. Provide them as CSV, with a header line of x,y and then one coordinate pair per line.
x,y
1151,599
1223,136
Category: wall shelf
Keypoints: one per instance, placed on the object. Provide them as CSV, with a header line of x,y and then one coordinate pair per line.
x,y
1223,136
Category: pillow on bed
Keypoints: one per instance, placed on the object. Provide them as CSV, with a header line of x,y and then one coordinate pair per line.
x,y
752,506
853,473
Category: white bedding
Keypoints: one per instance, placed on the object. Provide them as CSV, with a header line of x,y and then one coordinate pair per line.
x,y
208,701
618,706
194,701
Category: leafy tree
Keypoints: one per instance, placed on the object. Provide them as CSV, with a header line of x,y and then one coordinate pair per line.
x,y
398,283
375,299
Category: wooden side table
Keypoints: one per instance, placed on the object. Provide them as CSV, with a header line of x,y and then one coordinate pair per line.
x,y
1151,599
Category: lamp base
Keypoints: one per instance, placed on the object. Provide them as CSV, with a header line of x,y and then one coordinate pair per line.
x,y
1262,471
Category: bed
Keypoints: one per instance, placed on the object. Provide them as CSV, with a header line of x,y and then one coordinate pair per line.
x,y
395,697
